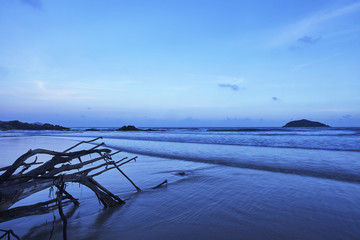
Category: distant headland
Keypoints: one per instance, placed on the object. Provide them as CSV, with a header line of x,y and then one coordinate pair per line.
x,y
17,125
305,123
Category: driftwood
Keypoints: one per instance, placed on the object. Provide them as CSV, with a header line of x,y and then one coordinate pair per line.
x,y
8,234
22,179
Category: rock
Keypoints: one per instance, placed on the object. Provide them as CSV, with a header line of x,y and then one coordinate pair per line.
x,y
181,174
128,128
133,128
305,123
92,130
17,125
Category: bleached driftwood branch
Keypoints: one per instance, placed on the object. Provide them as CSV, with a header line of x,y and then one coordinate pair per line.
x,y
22,179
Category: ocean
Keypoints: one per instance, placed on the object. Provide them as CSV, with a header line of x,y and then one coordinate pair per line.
x,y
228,183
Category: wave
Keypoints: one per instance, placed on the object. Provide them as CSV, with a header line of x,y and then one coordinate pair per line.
x,y
330,144
233,144
334,174
249,130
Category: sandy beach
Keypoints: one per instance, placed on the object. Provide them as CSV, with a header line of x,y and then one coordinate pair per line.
x,y
209,201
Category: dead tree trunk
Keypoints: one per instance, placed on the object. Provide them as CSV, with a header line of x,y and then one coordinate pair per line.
x,y
23,178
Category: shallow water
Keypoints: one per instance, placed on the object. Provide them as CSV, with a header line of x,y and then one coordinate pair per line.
x,y
321,152
293,187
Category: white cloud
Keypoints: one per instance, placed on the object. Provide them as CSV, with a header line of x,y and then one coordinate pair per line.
x,y
311,63
229,79
307,25
43,92
332,110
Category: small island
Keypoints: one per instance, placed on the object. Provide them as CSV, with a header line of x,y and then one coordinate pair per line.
x,y
128,128
305,123
17,125
133,128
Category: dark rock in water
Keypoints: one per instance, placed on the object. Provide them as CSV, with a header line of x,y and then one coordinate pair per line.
x,y
305,123
181,173
92,130
128,128
17,125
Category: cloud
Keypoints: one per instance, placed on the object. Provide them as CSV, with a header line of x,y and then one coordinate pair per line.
x,y
309,39
234,87
42,92
318,61
37,4
301,29
230,82
232,79
348,116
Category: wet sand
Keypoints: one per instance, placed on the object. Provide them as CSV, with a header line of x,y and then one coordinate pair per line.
x,y
209,201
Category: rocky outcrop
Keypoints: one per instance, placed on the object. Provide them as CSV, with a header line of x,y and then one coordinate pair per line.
x,y
133,128
128,128
92,130
17,125
305,123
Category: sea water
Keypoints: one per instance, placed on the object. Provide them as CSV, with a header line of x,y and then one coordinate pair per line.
x,y
235,183
331,153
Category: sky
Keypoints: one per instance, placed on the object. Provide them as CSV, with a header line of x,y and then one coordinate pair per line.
x,y
180,63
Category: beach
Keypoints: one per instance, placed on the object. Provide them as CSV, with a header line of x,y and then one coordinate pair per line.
x,y
243,118
215,197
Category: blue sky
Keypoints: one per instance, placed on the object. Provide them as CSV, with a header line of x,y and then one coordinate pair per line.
x,y
180,63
